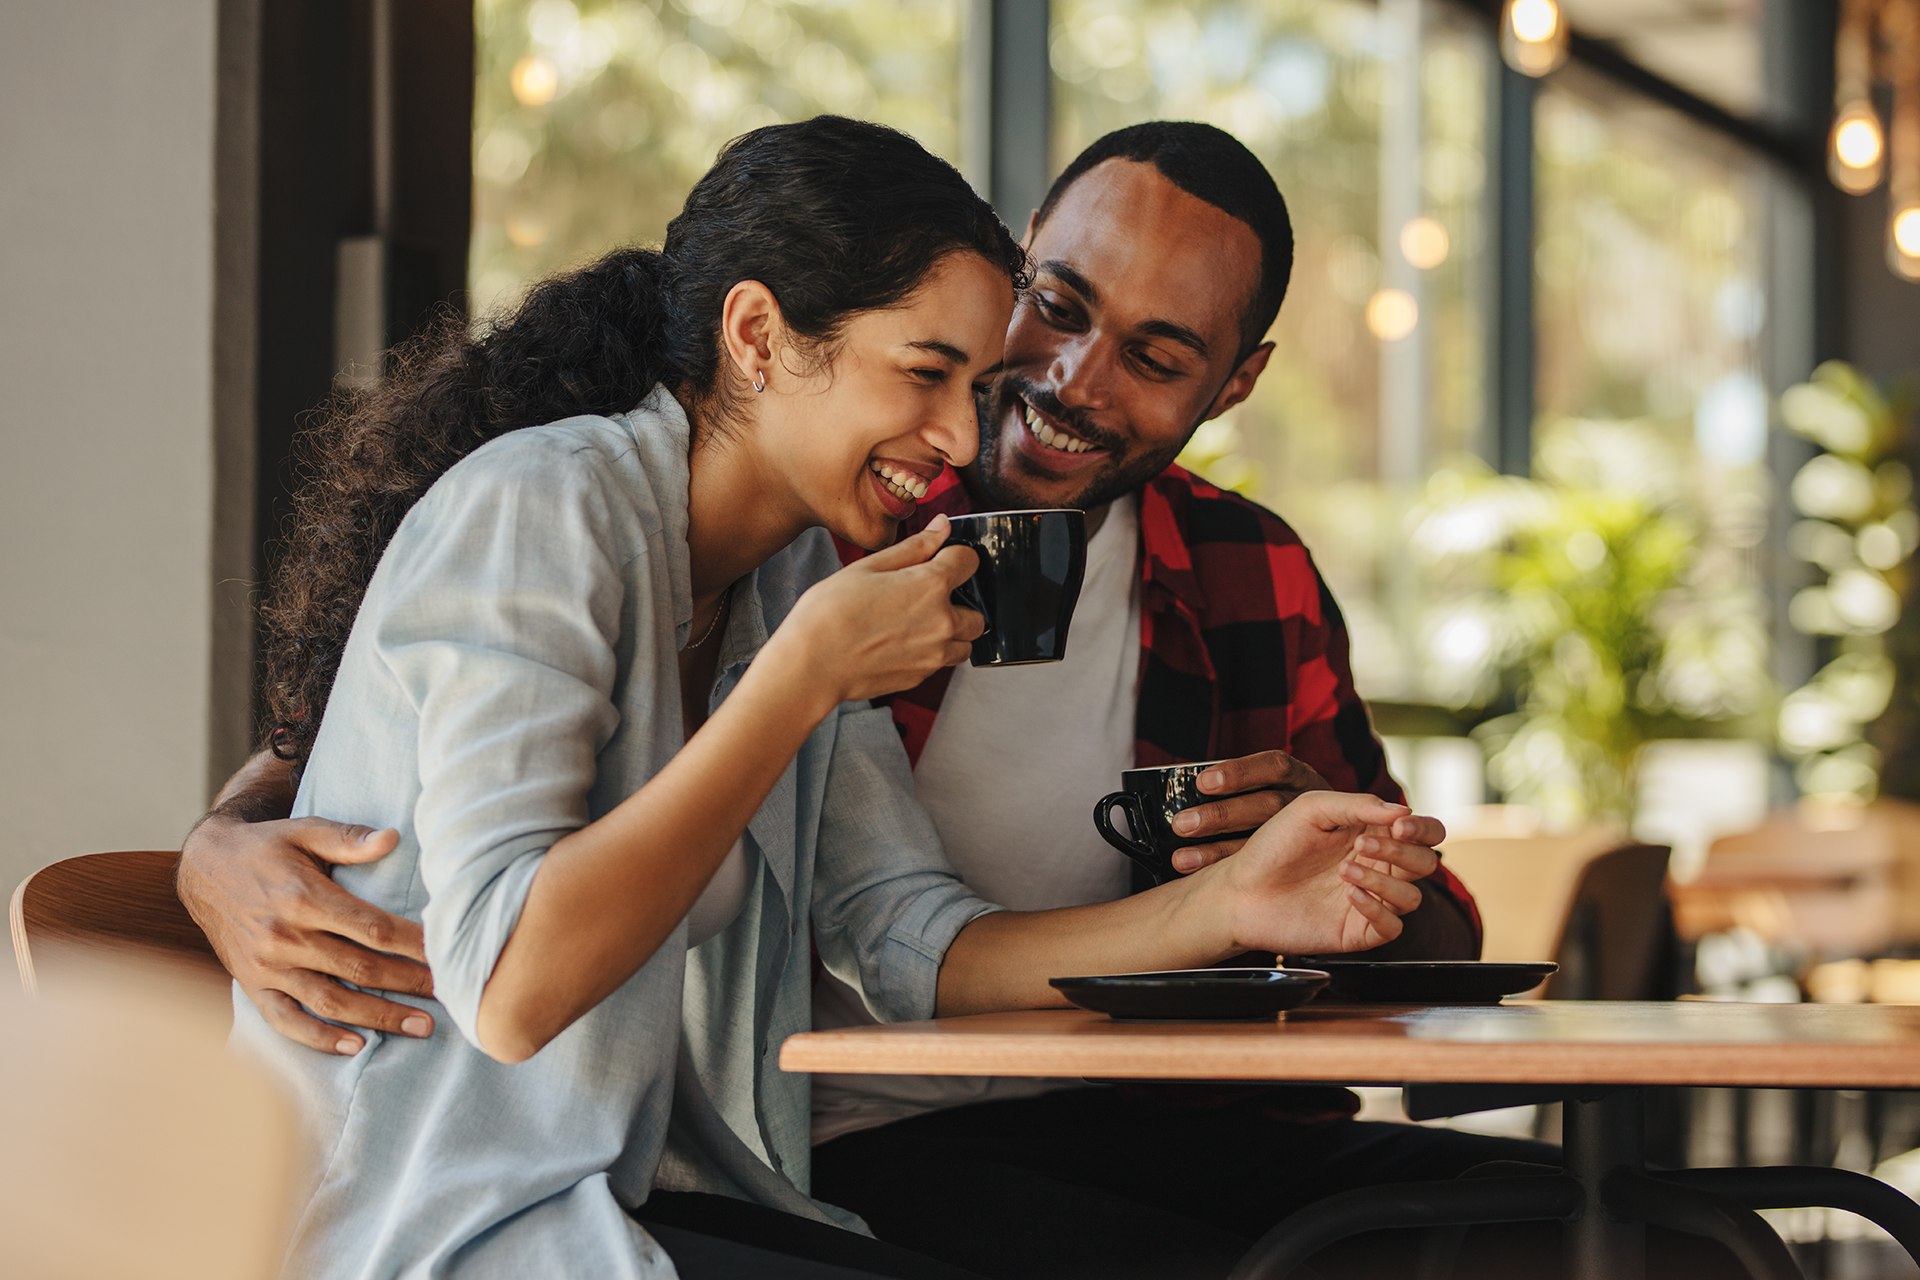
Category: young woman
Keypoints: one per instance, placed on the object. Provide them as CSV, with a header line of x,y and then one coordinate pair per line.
x,y
608,688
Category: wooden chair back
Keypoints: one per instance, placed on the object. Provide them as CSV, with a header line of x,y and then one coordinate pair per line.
x,y
107,902
1617,940
1593,900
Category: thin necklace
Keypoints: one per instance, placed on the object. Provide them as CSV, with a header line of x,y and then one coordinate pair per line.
x,y
713,626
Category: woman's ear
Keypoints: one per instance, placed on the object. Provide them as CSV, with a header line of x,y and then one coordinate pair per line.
x,y
750,328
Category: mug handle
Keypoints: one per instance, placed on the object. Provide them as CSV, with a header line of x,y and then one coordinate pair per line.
x,y
967,594
1140,853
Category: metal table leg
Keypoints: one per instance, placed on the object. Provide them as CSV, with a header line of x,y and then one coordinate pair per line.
x,y
1598,1138
1754,1244
1405,1204
1605,1195
1795,1187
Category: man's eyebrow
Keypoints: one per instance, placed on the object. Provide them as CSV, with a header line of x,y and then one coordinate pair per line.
x,y
939,348
1168,329
1176,333
1072,279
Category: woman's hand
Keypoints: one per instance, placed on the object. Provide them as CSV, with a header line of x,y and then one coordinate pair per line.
x,y
886,622
1330,873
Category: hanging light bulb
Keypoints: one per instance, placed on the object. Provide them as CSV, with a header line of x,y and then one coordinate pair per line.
x,y
1857,150
1857,146
1901,22
1533,36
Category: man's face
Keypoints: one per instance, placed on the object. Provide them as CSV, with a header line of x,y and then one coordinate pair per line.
x,y
1129,339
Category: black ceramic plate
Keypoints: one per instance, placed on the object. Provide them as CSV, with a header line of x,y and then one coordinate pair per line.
x,y
1213,994
1428,981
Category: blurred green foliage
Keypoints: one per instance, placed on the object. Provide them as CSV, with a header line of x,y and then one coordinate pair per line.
x,y
1860,528
1596,625
593,118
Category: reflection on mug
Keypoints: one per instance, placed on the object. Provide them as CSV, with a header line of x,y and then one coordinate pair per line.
x,y
1031,567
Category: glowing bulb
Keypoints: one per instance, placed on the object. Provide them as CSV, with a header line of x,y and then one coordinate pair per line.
x,y
1533,36
535,81
1534,21
1392,314
1857,149
1906,230
1423,243
1857,143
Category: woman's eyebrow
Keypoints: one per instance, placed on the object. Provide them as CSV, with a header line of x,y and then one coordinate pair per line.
x,y
939,348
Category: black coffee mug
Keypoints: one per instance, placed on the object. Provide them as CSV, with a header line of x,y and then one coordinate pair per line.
x,y
1151,797
1031,567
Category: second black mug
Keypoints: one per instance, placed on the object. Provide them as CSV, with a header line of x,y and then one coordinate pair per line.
x,y
1031,567
1150,798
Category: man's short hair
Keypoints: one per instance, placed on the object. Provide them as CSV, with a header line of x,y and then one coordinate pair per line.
x,y
1212,165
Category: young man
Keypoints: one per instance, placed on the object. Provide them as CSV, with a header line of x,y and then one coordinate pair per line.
x,y
1203,632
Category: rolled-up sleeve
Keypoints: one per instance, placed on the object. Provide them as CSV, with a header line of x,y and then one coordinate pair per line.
x,y
498,615
886,903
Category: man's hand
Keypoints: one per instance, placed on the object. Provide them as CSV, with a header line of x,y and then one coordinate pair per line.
x,y
1272,780
1318,879
290,936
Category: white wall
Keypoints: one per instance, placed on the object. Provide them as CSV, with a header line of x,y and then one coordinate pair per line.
x,y
106,435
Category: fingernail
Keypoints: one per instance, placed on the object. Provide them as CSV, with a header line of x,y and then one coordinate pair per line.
x,y
348,1045
415,1026
1350,870
1185,823
1366,844
1213,778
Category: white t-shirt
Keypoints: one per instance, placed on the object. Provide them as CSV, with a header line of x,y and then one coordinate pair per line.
x,y
1011,769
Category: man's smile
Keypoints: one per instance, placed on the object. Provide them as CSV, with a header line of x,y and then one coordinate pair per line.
x,y
1046,443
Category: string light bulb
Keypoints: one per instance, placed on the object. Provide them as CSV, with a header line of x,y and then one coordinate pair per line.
x,y
1533,36
1857,150
1900,20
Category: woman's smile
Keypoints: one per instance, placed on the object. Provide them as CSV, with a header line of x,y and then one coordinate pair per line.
x,y
900,484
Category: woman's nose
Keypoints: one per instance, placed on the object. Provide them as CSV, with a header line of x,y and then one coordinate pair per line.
x,y
955,434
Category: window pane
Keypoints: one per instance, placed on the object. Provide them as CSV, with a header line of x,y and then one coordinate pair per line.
x,y
592,120
1712,47
1651,297
1377,370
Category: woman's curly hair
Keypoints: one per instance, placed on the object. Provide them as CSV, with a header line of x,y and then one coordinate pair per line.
x,y
835,216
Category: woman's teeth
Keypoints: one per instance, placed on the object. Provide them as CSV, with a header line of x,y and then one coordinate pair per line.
x,y
901,484
1047,436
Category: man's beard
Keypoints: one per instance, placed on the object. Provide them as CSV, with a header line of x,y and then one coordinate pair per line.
x,y
1118,476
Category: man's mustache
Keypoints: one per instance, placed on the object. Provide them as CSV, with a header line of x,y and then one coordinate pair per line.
x,y
1013,387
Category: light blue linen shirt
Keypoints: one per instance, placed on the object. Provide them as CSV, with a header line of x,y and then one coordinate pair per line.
x,y
512,675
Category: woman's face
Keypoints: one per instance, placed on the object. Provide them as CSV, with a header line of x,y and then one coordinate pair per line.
x,y
859,441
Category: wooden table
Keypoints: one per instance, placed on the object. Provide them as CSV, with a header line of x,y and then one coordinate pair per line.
x,y
1593,1055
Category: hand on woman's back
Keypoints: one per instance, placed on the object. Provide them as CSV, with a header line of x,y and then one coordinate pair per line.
x,y
886,622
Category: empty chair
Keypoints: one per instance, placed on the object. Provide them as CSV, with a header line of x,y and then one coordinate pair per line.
x,y
108,902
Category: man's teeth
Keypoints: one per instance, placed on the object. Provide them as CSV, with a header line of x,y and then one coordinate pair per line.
x,y
901,484
1047,436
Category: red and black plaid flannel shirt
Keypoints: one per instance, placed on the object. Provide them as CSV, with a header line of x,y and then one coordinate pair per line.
x,y
1242,647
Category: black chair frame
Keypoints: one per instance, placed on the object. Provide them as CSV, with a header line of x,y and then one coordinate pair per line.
x,y
1605,1195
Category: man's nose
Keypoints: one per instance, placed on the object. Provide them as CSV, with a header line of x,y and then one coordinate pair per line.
x,y
1080,375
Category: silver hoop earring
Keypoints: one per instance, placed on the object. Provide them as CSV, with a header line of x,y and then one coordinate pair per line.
x,y
759,379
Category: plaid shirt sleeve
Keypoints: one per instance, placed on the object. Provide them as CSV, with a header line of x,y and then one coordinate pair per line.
x,y
1244,649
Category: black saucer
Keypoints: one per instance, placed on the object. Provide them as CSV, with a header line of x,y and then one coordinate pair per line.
x,y
1220,995
1428,981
